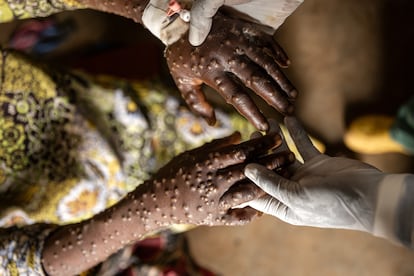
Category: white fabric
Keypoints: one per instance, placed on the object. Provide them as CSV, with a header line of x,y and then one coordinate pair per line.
x,y
271,13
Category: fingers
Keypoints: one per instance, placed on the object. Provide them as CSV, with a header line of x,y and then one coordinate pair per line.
x,y
272,183
239,216
302,141
268,63
238,194
277,160
271,206
193,95
236,154
202,12
235,95
244,191
261,145
216,144
196,100
279,54
257,80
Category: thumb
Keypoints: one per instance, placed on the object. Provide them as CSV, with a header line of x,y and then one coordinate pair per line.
x,y
302,141
270,182
199,30
202,13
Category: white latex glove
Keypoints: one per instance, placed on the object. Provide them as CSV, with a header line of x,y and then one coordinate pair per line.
x,y
271,13
330,192
202,12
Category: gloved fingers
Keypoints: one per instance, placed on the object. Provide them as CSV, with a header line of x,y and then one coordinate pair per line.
x,y
199,30
196,101
266,60
202,12
235,95
271,206
302,141
206,8
273,184
274,127
257,80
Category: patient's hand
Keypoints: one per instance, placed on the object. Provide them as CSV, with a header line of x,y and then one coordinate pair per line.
x,y
236,55
193,183
186,190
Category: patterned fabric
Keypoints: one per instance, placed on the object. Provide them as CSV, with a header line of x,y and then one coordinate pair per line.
x,y
20,9
71,145
402,129
21,250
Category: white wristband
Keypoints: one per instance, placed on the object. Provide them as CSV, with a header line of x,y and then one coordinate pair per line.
x,y
166,20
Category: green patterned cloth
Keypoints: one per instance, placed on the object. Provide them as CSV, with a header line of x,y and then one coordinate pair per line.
x,y
21,9
403,128
72,145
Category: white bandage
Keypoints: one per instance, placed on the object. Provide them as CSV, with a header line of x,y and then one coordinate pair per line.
x,y
168,28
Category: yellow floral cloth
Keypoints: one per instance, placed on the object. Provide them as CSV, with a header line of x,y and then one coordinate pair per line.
x,y
70,145
21,9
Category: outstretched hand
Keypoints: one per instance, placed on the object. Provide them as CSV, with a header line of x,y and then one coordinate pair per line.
x,y
235,56
195,181
331,192
186,190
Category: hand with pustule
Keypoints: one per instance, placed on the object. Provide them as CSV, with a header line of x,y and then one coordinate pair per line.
x,y
188,190
235,57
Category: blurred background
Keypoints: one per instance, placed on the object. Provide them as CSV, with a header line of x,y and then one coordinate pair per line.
x,y
349,59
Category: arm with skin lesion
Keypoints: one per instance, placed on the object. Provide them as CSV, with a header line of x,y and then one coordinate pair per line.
x,y
15,9
235,59
185,191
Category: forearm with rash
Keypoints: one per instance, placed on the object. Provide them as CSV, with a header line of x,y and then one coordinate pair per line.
x,y
75,248
132,9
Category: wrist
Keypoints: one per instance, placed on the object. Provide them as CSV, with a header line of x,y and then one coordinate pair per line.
x,y
390,190
73,249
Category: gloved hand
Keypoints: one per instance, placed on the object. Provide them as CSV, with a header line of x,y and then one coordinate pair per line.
x,y
202,12
270,13
329,192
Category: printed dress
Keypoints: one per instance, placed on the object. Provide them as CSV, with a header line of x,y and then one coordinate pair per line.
x,y
72,145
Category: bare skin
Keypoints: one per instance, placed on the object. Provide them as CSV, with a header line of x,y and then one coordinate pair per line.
x,y
187,191
130,9
235,56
